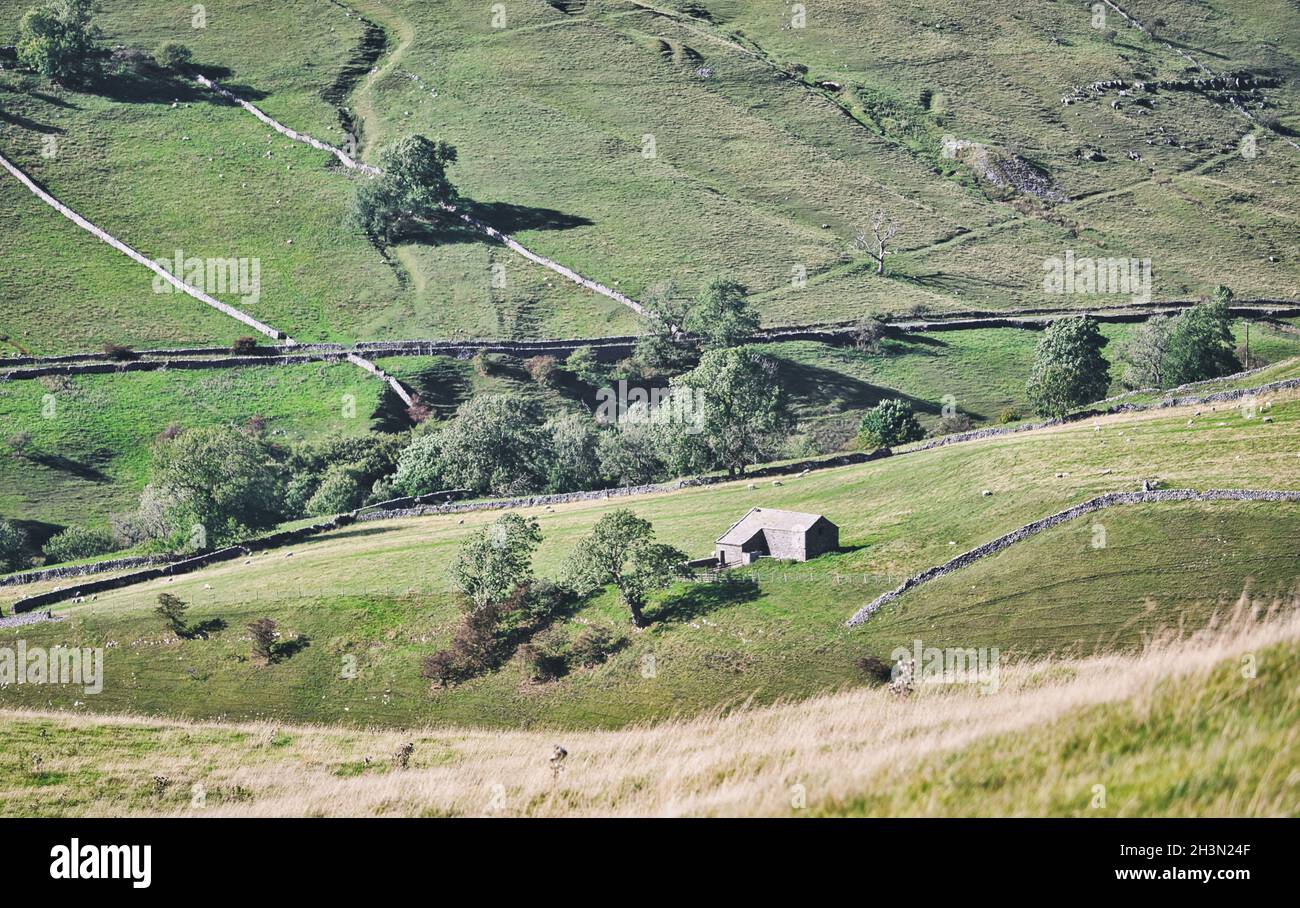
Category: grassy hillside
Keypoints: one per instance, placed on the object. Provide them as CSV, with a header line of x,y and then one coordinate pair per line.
x,y
163,167
1176,729
91,457
380,592
752,173
91,435
769,173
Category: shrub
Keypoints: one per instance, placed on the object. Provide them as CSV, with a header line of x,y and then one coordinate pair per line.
x,y
1008,415
875,669
889,423
11,546
172,611
442,667
173,55
541,369
264,634
244,346
120,352
958,422
583,364
418,412
339,491
867,335
545,599
594,645
20,444
475,648
77,542
57,40
544,659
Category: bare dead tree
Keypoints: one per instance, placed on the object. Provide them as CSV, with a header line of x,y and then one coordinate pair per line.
x,y
882,231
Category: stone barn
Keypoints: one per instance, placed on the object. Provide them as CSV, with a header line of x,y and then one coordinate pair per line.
x,y
789,535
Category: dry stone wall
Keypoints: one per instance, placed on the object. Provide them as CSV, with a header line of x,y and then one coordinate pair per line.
x,y
1109,500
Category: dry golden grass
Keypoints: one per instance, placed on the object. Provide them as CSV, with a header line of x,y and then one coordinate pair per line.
x,y
829,750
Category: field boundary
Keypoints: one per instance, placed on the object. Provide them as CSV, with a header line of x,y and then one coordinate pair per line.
x,y
799,468
608,347
153,266
184,565
369,169
1100,502
224,308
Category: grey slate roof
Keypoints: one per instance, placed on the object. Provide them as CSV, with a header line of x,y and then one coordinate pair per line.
x,y
767,519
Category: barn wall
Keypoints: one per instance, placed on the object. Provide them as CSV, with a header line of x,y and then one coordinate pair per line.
x,y
822,538
785,544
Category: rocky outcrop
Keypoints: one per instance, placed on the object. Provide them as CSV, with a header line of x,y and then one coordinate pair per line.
x,y
1032,529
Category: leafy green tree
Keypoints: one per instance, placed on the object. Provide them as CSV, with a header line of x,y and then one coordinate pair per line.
x,y
11,546
722,315
621,551
583,363
889,423
57,40
1145,351
172,611
412,188
729,412
574,461
1068,369
419,468
1201,344
663,347
629,453
495,444
76,542
224,480
494,563
176,56
340,490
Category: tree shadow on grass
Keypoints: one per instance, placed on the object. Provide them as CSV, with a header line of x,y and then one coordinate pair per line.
x,y
53,99
813,386
204,629
129,86
67,465
442,385
287,649
390,414
702,598
361,532
510,218
503,216
24,123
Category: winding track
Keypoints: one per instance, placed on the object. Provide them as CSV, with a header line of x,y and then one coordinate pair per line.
x,y
486,229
